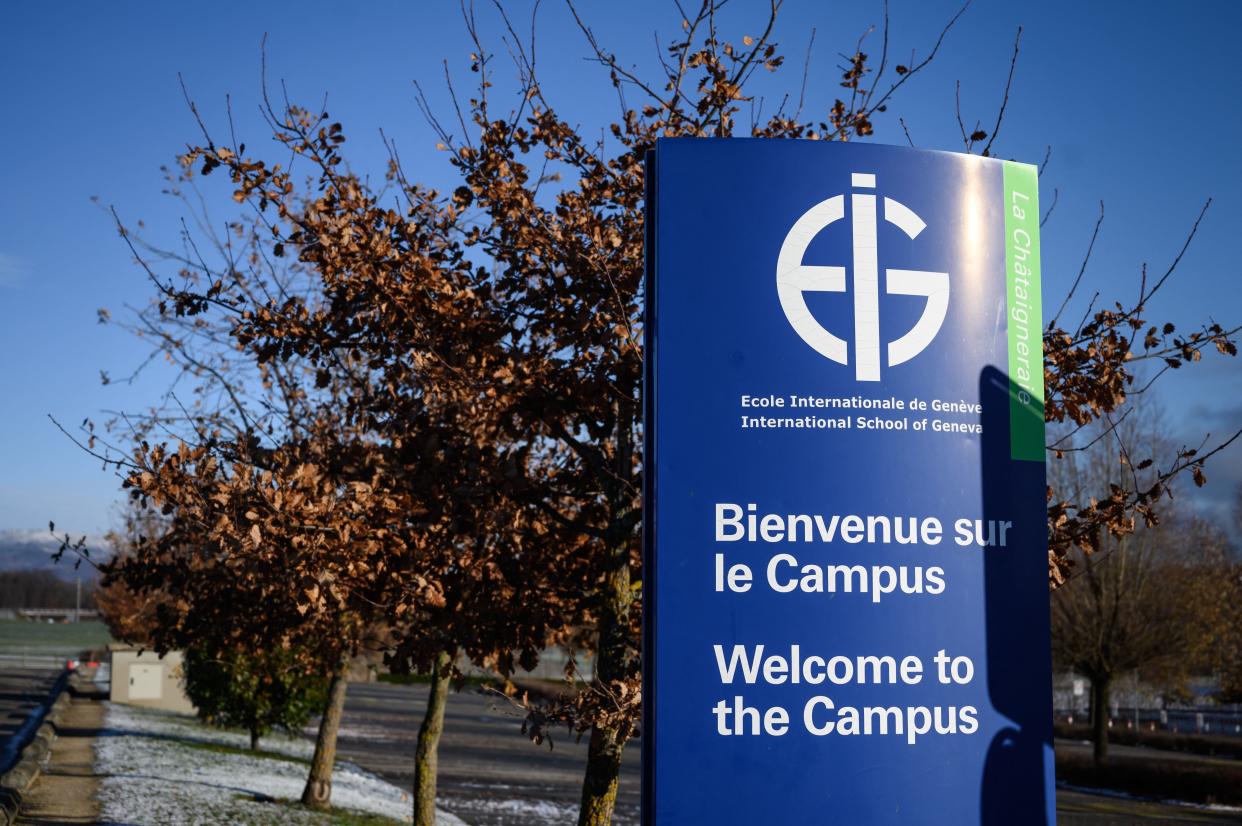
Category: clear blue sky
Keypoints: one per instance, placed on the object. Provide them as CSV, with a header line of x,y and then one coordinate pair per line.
x,y
1138,101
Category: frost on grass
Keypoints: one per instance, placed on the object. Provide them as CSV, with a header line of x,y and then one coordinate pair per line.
x,y
516,812
163,769
502,804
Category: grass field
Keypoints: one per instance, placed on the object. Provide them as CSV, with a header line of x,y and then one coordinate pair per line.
x,y
60,639
162,769
1206,781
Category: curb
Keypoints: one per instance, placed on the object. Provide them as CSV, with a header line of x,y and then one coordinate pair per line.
x,y
16,781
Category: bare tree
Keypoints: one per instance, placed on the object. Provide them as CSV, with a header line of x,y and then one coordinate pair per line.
x,y
1146,600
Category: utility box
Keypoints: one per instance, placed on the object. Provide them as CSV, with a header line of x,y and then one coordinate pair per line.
x,y
144,678
146,682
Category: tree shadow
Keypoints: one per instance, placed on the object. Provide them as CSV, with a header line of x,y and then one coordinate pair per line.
x,y
1018,776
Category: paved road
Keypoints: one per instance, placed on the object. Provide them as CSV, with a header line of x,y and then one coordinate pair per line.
x,y
22,690
491,776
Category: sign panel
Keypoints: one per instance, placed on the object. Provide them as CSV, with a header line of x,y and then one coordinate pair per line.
x,y
846,567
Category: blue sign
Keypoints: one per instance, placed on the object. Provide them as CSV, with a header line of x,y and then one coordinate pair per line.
x,y
846,576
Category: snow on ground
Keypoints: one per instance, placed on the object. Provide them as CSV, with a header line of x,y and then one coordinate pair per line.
x,y
496,804
160,770
516,811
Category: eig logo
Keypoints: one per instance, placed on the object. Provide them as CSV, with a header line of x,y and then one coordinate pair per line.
x,y
794,278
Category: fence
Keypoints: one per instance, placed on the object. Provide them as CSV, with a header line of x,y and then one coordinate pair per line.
x,y
74,614
1225,720
30,659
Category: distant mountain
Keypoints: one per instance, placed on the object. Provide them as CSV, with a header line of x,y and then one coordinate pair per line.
x,y
32,550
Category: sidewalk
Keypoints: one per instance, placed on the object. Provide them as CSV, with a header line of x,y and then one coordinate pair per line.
x,y
67,790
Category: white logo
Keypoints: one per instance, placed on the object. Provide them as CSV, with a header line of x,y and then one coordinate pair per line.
x,y
793,278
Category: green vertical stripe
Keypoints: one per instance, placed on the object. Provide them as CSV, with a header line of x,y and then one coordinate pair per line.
x,y
1025,319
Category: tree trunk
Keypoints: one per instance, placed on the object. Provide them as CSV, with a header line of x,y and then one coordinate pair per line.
x,y
318,791
603,771
426,757
599,786
254,739
613,652
1099,719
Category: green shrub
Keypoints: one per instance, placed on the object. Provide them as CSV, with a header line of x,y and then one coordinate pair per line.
x,y
254,692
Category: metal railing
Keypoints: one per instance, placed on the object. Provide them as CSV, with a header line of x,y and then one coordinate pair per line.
x,y
1224,720
74,614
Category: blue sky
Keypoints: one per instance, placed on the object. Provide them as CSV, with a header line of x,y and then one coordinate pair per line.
x,y
1136,100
